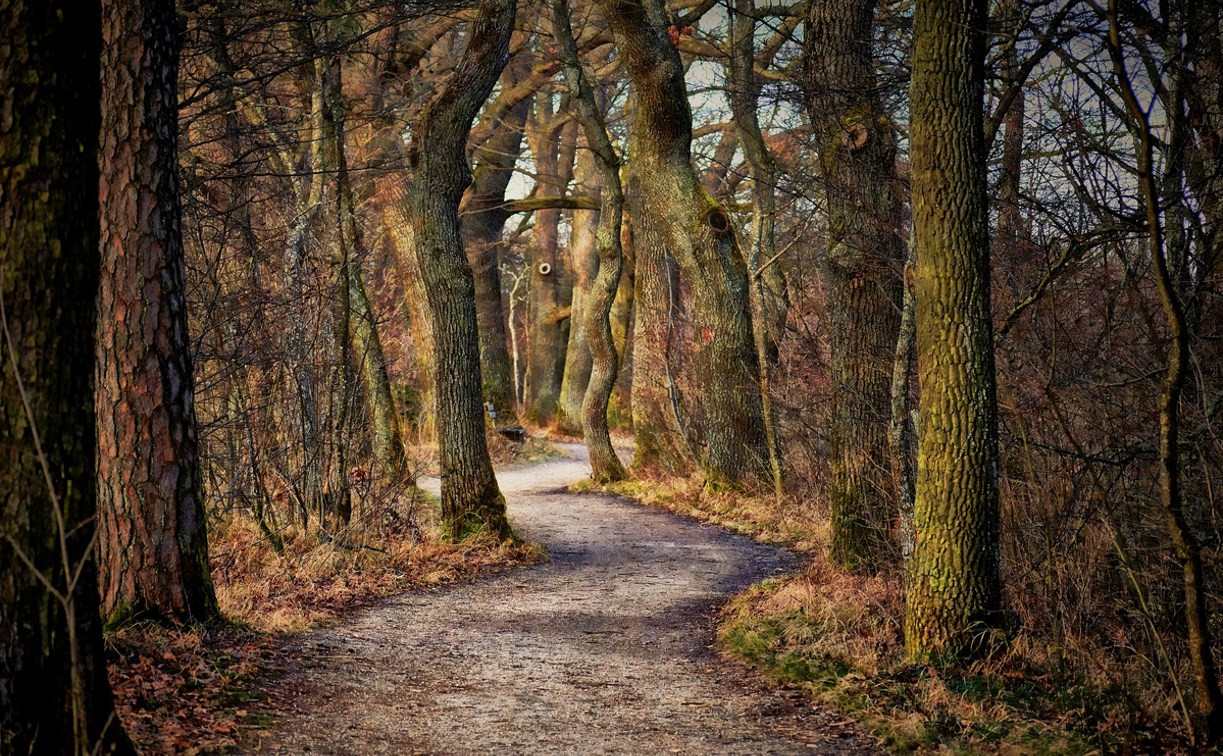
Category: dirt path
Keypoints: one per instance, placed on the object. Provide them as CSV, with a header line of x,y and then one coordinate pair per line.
x,y
605,648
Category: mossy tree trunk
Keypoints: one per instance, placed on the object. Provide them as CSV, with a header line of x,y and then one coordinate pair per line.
x,y
152,545
54,697
675,219
596,317
471,500
953,596
857,154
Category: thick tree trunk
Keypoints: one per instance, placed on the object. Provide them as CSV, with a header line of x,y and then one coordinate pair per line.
x,y
605,466
153,547
953,596
54,697
673,216
857,153
471,501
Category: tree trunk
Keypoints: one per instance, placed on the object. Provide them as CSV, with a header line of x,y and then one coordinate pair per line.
x,y
623,317
392,214
744,96
54,697
547,329
300,370
361,327
471,501
584,254
1015,255
605,466
153,546
674,217
483,222
857,154
953,596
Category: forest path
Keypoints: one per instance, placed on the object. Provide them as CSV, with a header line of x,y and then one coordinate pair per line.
x,y
603,649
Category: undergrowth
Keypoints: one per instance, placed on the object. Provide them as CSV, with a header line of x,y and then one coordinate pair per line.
x,y
840,637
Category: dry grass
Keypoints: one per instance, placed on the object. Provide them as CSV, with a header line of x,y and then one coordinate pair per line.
x,y
840,637
763,517
187,690
314,580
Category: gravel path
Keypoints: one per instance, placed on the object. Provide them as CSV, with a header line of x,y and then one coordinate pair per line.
x,y
603,649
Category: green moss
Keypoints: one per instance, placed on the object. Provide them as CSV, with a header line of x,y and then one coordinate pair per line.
x,y
968,712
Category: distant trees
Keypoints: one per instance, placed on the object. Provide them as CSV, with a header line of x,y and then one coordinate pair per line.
x,y
54,696
1183,536
153,546
953,600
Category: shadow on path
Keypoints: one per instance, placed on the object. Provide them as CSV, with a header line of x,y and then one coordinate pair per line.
x,y
603,649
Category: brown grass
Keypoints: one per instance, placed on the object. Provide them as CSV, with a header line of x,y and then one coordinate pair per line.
x,y
189,690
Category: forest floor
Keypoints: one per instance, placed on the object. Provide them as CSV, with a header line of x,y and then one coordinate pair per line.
x,y
607,647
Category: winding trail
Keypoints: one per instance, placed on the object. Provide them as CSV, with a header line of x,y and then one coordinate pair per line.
x,y
603,649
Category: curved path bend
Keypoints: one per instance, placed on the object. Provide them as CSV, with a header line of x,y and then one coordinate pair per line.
x,y
606,648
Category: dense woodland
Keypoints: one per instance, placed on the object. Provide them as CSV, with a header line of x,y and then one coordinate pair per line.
x,y
939,283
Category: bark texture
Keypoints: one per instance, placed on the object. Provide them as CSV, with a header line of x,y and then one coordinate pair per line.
x,y
675,219
54,697
153,546
857,154
471,501
952,602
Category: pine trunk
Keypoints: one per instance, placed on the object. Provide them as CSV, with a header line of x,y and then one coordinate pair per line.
x,y
153,546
